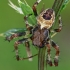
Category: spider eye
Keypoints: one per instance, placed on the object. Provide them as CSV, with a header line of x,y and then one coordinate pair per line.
x,y
49,14
48,18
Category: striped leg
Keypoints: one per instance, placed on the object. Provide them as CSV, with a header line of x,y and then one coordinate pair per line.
x,y
48,53
28,26
56,47
15,35
16,47
34,7
60,25
29,54
58,29
27,48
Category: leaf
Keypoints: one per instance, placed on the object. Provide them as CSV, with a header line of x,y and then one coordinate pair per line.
x,y
25,7
28,10
58,6
18,9
12,31
25,10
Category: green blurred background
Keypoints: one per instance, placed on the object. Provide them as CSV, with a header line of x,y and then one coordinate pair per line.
x,y
9,19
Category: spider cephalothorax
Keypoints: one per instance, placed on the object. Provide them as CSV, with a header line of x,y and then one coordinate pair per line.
x,y
46,18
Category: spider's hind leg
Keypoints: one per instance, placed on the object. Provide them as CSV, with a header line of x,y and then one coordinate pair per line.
x,y
49,61
29,54
24,40
56,47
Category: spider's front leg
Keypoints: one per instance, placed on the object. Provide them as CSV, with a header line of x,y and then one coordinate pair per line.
x,y
24,40
34,7
60,25
58,29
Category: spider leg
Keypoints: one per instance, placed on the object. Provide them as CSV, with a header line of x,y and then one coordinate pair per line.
x,y
27,45
48,45
16,47
34,7
15,35
60,25
21,41
56,47
58,29
29,27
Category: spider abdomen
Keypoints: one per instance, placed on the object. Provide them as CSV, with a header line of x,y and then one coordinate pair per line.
x,y
39,37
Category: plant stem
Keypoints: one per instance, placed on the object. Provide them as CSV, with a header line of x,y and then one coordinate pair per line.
x,y
41,58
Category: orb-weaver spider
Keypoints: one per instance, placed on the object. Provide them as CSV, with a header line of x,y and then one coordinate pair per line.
x,y
38,28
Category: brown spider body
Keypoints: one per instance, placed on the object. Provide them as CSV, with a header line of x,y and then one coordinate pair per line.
x,y
41,32
40,36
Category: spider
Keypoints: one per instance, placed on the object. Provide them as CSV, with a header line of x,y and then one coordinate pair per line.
x,y
40,33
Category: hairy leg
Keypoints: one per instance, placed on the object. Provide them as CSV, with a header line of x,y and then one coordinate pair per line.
x,y
28,26
56,47
58,29
15,35
60,25
27,45
34,7
16,47
48,53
